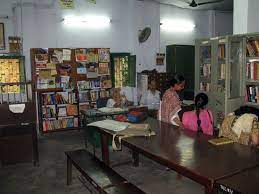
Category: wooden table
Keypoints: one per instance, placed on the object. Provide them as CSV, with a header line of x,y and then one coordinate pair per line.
x,y
187,153
246,182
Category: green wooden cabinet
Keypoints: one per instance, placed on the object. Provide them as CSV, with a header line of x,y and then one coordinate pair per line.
x,y
180,59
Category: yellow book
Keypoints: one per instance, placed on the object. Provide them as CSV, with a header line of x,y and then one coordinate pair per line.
x,y
221,141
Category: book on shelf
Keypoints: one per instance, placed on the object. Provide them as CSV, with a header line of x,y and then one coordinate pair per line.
x,y
221,51
66,54
84,106
104,55
83,85
222,71
48,98
92,55
41,58
206,70
62,111
252,93
94,95
49,111
84,96
106,82
72,110
252,70
103,69
56,56
252,48
204,86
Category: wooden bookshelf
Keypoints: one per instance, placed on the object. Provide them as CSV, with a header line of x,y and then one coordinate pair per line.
x,y
62,76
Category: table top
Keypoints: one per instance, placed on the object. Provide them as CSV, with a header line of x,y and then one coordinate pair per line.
x,y
246,182
191,154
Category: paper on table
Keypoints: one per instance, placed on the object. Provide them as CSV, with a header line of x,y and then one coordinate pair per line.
x,y
110,109
110,125
17,108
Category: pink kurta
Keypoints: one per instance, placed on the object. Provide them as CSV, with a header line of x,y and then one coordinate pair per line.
x,y
170,106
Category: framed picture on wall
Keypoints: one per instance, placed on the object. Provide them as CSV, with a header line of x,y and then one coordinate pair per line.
x,y
2,37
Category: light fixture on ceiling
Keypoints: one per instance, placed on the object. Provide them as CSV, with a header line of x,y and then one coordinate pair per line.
x,y
87,21
177,25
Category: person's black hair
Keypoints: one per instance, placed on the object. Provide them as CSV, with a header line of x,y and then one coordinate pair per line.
x,y
201,100
177,79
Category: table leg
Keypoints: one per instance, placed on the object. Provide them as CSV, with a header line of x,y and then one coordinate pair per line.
x,y
208,189
135,157
105,148
69,171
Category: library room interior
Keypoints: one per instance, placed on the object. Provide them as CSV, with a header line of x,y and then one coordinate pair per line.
x,y
129,96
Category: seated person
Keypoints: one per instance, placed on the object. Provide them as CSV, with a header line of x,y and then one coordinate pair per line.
x,y
151,97
117,100
201,118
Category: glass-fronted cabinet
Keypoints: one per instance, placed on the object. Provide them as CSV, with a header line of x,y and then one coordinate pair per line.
x,y
219,73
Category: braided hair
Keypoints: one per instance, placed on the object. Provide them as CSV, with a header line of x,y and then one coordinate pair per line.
x,y
201,100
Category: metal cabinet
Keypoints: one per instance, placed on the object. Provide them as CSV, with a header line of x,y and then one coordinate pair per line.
x,y
219,73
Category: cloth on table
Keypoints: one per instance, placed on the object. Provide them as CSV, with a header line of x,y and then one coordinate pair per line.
x,y
133,130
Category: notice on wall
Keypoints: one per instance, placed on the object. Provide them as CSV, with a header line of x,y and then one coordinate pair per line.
x,y
66,4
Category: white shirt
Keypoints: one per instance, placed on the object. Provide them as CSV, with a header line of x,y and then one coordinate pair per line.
x,y
151,100
110,103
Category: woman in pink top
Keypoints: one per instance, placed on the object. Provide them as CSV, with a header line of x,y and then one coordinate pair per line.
x,y
171,104
200,120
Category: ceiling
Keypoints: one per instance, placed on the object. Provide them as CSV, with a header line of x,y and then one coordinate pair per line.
x,y
226,5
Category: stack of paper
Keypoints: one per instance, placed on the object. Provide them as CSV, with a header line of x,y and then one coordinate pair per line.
x,y
110,109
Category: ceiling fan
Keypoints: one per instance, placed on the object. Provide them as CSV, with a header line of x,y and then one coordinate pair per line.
x,y
194,4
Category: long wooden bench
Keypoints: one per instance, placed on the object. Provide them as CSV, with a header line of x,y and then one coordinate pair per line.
x,y
100,176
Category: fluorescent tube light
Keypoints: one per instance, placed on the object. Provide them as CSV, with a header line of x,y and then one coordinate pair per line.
x,y
87,21
177,25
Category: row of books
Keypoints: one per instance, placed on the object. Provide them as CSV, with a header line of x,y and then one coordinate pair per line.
x,y
205,70
252,48
252,93
43,56
206,51
222,71
221,51
93,95
252,70
58,98
61,123
204,86
103,82
49,111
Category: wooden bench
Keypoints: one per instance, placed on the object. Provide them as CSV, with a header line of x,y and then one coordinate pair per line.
x,y
100,176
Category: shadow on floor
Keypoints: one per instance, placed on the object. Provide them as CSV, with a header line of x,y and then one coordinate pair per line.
x,y
50,176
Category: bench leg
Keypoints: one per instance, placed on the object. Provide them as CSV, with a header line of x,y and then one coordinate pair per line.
x,y
105,149
135,157
69,171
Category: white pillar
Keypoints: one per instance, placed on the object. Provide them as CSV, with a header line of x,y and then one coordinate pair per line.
x,y
246,16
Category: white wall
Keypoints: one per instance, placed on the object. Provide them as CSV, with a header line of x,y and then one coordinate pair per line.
x,y
223,23
253,15
240,16
42,26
